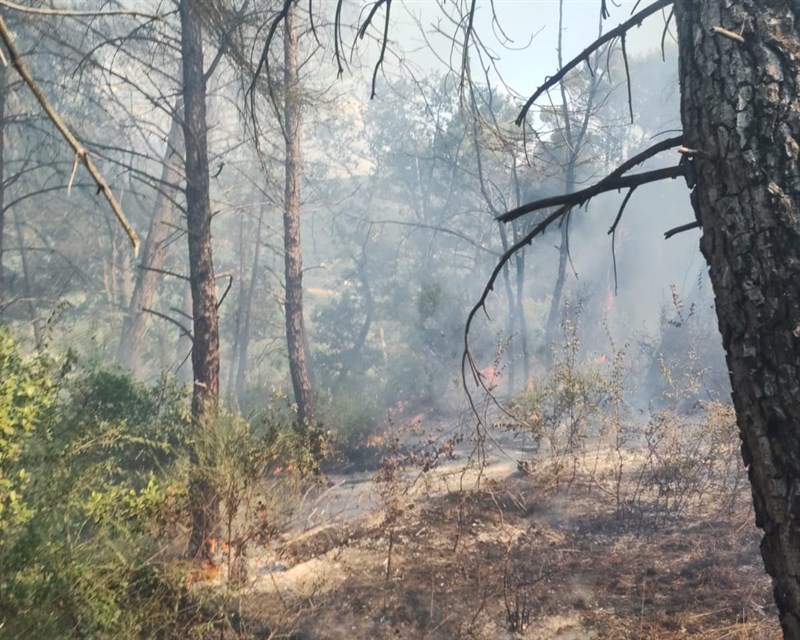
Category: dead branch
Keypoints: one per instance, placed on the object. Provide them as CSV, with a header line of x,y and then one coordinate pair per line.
x,y
229,276
684,227
626,26
163,316
384,41
667,143
568,202
163,272
80,151
578,198
75,13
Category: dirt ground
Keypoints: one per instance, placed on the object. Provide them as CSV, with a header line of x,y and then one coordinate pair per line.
x,y
429,555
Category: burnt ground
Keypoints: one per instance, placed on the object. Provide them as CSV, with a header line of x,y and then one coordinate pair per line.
x,y
432,556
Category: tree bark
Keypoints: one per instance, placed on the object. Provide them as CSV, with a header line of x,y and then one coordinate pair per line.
x,y
740,105
153,253
205,344
2,180
295,327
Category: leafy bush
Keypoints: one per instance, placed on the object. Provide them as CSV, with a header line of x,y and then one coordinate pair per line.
x,y
84,492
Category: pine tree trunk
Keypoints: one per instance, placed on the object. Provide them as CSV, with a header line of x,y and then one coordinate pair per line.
x,y
740,107
153,253
2,181
205,344
295,328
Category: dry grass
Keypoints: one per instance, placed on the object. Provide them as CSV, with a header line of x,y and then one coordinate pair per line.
x,y
514,559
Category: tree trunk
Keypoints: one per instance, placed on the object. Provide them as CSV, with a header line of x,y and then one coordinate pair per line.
x,y
154,250
295,328
205,344
2,180
27,280
740,105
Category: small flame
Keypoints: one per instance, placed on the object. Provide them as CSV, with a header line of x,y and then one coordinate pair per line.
x,y
609,305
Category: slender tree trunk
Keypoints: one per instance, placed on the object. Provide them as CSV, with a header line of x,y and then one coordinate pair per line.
x,y
554,315
740,105
205,344
27,280
244,338
2,181
295,328
154,250
522,326
512,308
571,156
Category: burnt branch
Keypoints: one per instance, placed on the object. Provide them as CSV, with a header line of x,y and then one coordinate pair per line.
x,y
667,143
263,62
384,41
615,178
578,198
684,227
626,26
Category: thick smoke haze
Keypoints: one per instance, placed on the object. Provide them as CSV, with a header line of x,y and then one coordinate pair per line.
x,y
399,198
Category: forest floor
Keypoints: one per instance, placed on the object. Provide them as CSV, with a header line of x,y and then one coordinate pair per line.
x,y
436,555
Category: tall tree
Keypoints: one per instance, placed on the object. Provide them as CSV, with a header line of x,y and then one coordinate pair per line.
x,y
740,107
295,326
205,335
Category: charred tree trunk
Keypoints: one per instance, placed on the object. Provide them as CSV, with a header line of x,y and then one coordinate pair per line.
x,y
740,105
295,328
205,343
153,253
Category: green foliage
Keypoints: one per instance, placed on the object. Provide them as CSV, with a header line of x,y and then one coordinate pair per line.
x,y
351,416
27,392
562,408
85,494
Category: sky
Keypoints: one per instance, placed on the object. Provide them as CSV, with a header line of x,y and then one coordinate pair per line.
x,y
532,30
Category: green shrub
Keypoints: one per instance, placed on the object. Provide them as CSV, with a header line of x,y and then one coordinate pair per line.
x,y
84,487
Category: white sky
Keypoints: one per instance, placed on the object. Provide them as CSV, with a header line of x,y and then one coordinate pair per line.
x,y
525,68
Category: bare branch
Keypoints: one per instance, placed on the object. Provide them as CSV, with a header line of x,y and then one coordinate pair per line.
x,y
363,31
163,272
73,13
626,26
578,198
163,316
684,227
80,151
648,153
229,276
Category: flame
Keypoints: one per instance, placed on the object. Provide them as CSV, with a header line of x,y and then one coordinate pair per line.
x,y
490,376
609,305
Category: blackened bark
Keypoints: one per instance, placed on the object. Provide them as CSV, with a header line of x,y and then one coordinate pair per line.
x,y
740,105
154,251
295,327
205,345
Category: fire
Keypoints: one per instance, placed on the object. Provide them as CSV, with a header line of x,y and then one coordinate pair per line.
x,y
609,305
490,377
